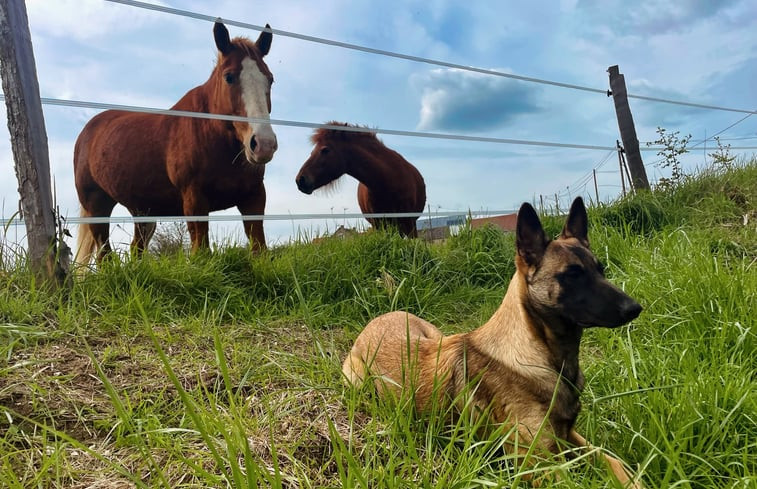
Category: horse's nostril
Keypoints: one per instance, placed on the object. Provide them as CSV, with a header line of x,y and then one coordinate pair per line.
x,y
253,143
303,184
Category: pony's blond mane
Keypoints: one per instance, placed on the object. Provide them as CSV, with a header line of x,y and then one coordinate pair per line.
x,y
331,188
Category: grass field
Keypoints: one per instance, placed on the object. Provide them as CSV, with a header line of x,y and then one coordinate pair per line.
x,y
224,369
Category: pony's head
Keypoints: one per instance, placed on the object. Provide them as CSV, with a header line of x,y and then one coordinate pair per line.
x,y
243,88
327,161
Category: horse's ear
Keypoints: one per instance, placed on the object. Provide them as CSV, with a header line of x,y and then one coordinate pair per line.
x,y
264,41
530,240
221,35
577,225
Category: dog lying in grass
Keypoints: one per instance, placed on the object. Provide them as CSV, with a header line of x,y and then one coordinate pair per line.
x,y
523,363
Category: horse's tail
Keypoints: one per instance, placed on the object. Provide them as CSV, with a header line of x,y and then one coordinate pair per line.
x,y
85,243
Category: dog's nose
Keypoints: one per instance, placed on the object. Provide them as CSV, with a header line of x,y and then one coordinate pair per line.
x,y
631,310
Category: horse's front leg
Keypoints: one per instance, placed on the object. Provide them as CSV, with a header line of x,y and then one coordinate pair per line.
x,y
195,204
254,206
143,231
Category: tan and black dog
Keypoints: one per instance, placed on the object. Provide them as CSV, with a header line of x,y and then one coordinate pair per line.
x,y
524,360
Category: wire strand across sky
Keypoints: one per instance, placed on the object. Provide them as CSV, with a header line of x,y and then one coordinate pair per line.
x,y
313,125
419,59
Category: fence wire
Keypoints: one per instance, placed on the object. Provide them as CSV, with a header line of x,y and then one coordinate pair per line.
x,y
580,183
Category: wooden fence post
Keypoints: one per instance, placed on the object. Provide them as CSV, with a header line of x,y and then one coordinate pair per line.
x,y
627,129
620,167
26,124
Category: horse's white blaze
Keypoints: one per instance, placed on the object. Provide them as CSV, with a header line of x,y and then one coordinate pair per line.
x,y
255,89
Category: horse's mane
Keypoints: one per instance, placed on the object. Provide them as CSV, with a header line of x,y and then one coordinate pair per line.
x,y
329,135
246,45
325,135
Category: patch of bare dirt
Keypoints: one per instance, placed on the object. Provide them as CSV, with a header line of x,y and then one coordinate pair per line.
x,y
57,385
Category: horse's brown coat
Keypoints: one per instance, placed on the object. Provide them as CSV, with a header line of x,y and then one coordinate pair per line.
x,y
163,165
388,182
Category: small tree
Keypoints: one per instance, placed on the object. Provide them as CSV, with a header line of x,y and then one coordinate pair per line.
x,y
722,158
673,146
170,239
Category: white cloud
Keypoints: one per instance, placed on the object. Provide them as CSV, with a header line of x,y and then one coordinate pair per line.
x,y
84,19
459,100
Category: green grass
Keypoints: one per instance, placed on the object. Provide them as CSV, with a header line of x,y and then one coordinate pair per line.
x,y
224,369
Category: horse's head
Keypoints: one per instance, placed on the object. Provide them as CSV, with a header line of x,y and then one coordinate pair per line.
x,y
243,88
325,165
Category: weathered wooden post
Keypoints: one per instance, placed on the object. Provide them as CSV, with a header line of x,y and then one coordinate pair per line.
x,y
26,124
620,166
627,129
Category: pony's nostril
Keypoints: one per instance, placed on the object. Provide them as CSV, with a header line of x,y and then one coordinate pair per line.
x,y
253,143
303,184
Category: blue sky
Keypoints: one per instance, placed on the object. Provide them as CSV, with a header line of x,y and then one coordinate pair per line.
x,y
698,51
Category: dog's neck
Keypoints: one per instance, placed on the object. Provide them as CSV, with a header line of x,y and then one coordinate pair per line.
x,y
561,338
522,338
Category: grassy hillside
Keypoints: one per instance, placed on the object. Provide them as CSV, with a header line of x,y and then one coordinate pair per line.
x,y
223,370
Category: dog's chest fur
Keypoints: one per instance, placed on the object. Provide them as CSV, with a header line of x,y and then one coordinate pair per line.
x,y
510,395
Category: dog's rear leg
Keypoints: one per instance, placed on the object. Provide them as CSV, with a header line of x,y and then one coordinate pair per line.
x,y
617,467
354,369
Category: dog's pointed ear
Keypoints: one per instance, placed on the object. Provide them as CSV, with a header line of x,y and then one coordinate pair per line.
x,y
577,225
264,41
221,35
530,240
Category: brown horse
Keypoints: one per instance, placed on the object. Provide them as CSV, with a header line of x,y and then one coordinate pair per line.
x,y
164,165
388,183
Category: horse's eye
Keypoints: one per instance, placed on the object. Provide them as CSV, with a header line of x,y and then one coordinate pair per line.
x,y
325,150
229,77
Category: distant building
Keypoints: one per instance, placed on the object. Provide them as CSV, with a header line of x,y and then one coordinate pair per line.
x,y
438,222
435,229
340,233
440,228
434,235
505,223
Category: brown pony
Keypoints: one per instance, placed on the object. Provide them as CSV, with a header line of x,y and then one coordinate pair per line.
x,y
164,165
388,183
